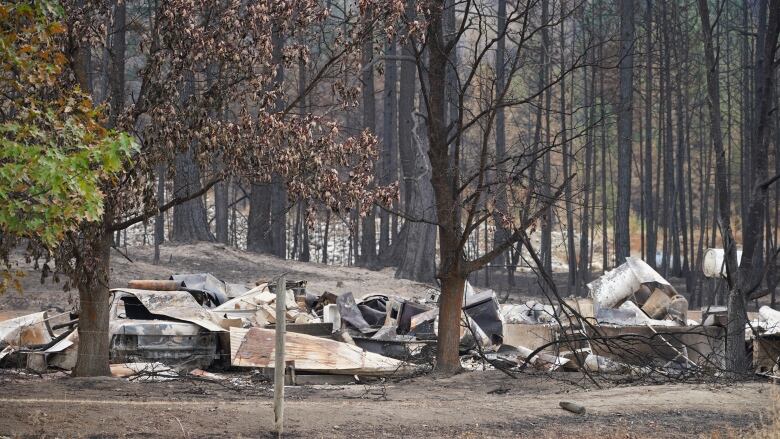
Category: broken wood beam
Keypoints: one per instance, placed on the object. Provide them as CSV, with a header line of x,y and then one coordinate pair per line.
x,y
154,285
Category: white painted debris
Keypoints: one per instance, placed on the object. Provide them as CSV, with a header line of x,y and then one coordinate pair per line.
x,y
330,314
598,364
714,265
616,285
28,330
769,320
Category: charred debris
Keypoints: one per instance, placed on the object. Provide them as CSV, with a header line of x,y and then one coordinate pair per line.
x,y
634,324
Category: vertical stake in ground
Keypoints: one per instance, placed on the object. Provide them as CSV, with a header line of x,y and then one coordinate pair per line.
x,y
279,365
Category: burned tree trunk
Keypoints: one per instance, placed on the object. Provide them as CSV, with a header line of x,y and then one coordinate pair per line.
x,y
368,226
159,219
444,175
625,131
743,280
647,183
117,72
389,160
267,223
190,223
413,251
502,203
749,273
547,223
583,274
278,217
221,211
258,233
571,250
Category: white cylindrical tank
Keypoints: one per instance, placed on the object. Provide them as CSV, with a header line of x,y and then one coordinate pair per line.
x,y
714,265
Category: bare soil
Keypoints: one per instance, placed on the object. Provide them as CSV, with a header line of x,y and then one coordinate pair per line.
x,y
471,404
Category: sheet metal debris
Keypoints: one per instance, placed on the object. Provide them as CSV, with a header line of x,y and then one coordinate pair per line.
x,y
178,305
32,329
191,322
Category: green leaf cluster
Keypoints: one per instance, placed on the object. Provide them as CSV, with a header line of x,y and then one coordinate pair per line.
x,y
55,154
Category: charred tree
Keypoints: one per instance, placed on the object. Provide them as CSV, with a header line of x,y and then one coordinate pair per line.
x,y
625,130
368,223
389,159
190,223
647,183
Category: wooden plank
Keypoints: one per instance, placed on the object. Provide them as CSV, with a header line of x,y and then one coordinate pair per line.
x,y
529,336
639,345
254,347
766,351
154,285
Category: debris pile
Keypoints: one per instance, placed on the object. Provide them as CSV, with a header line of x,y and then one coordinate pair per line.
x,y
193,322
634,322
635,294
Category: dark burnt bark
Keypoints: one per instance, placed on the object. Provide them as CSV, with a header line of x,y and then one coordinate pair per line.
x,y
279,209
221,211
547,223
117,68
368,223
750,271
159,219
625,130
267,222
325,237
190,223
412,250
571,251
647,183
743,280
305,251
258,234
583,274
682,122
389,160
444,175
502,203
668,210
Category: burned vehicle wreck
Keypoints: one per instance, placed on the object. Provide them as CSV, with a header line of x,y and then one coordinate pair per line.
x,y
169,327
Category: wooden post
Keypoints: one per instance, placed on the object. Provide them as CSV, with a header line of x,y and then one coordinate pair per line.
x,y
279,364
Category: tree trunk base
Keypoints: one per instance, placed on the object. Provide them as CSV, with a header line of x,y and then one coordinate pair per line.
x,y
91,278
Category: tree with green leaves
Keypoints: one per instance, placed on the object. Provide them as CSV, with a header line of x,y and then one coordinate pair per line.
x,y
55,153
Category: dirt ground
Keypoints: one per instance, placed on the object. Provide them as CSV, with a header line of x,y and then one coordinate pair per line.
x,y
472,404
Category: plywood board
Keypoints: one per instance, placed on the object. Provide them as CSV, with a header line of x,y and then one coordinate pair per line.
x,y
529,336
254,347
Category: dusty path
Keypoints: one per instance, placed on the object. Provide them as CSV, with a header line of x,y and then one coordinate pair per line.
x,y
476,404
